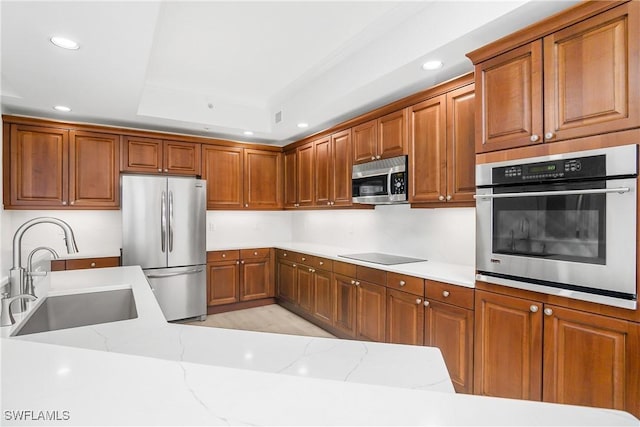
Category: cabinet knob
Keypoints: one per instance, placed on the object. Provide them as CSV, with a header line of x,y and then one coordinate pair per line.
x,y
548,311
64,202
166,170
224,255
533,308
295,265
304,259
377,157
255,253
246,205
402,283
426,303
312,270
534,138
441,198
321,263
284,254
159,169
373,157
445,293
357,283
549,135
353,282
73,202
93,264
238,262
418,300
333,203
448,197
242,262
328,203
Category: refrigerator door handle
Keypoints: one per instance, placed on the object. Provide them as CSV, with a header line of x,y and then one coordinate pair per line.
x,y
157,276
170,221
163,221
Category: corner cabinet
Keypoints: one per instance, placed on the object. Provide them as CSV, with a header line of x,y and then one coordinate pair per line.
x,y
441,148
526,349
578,81
242,178
58,168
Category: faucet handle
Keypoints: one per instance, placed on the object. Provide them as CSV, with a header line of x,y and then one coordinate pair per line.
x,y
7,315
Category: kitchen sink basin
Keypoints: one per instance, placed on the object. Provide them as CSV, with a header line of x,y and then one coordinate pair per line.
x,y
74,310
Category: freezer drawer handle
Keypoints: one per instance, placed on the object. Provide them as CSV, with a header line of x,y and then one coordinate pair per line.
x,y
158,276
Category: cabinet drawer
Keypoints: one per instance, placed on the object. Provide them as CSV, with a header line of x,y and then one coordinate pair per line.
x,y
413,285
371,275
344,268
214,256
254,253
322,263
451,294
292,256
80,264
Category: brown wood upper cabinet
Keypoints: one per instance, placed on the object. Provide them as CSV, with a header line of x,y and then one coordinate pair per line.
x,y
150,155
381,138
56,168
589,72
321,170
525,349
242,178
441,148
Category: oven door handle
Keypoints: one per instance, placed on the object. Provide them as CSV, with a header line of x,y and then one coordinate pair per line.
x,y
619,190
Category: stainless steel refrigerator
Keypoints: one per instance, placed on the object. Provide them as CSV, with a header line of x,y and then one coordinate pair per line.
x,y
163,231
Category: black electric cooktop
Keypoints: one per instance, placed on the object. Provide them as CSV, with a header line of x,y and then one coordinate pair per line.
x,y
385,259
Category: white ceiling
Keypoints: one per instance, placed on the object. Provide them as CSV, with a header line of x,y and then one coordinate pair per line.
x,y
221,68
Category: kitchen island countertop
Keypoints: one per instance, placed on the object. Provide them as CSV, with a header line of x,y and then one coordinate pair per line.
x,y
145,371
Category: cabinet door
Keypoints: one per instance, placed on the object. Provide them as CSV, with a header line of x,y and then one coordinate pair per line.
x,y
305,175
365,142
509,91
262,179
450,328
222,282
461,159
223,170
345,304
590,360
287,285
341,164
290,179
428,150
392,134
254,279
38,167
304,278
141,155
93,170
405,318
322,171
323,296
508,347
182,158
591,74
370,312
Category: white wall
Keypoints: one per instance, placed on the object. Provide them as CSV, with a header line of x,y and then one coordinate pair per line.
x,y
228,229
446,235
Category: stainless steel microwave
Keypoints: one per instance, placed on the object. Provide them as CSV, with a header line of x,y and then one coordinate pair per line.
x,y
380,182
562,224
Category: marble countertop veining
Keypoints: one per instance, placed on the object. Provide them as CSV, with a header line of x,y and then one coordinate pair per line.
x,y
146,371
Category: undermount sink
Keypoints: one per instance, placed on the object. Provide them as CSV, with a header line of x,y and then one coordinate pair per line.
x,y
74,310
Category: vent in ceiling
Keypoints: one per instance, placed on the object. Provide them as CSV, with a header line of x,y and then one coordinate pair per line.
x,y
278,117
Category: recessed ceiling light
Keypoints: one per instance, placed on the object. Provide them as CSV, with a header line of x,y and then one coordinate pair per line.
x,y
303,125
248,132
64,43
432,65
62,108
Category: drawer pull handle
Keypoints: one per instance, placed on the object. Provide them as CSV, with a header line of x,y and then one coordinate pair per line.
x,y
445,293
402,283
224,255
93,264
255,253
304,259
321,263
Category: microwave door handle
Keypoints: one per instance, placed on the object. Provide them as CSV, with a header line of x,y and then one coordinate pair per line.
x,y
620,190
389,189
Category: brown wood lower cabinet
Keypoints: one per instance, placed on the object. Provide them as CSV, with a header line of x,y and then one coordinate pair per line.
x,y
345,304
370,311
238,276
529,350
405,318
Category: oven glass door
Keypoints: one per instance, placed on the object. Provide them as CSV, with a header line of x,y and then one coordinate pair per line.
x,y
567,227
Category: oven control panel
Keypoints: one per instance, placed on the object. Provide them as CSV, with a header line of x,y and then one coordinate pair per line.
x,y
577,168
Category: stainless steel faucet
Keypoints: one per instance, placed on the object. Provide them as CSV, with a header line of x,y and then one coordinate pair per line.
x,y
17,282
7,315
29,288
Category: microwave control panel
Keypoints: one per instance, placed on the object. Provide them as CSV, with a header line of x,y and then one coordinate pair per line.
x,y
563,169
398,183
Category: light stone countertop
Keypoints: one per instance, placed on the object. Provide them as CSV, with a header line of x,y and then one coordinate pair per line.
x,y
145,371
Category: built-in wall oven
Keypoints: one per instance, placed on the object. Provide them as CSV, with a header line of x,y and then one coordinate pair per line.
x,y
561,224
